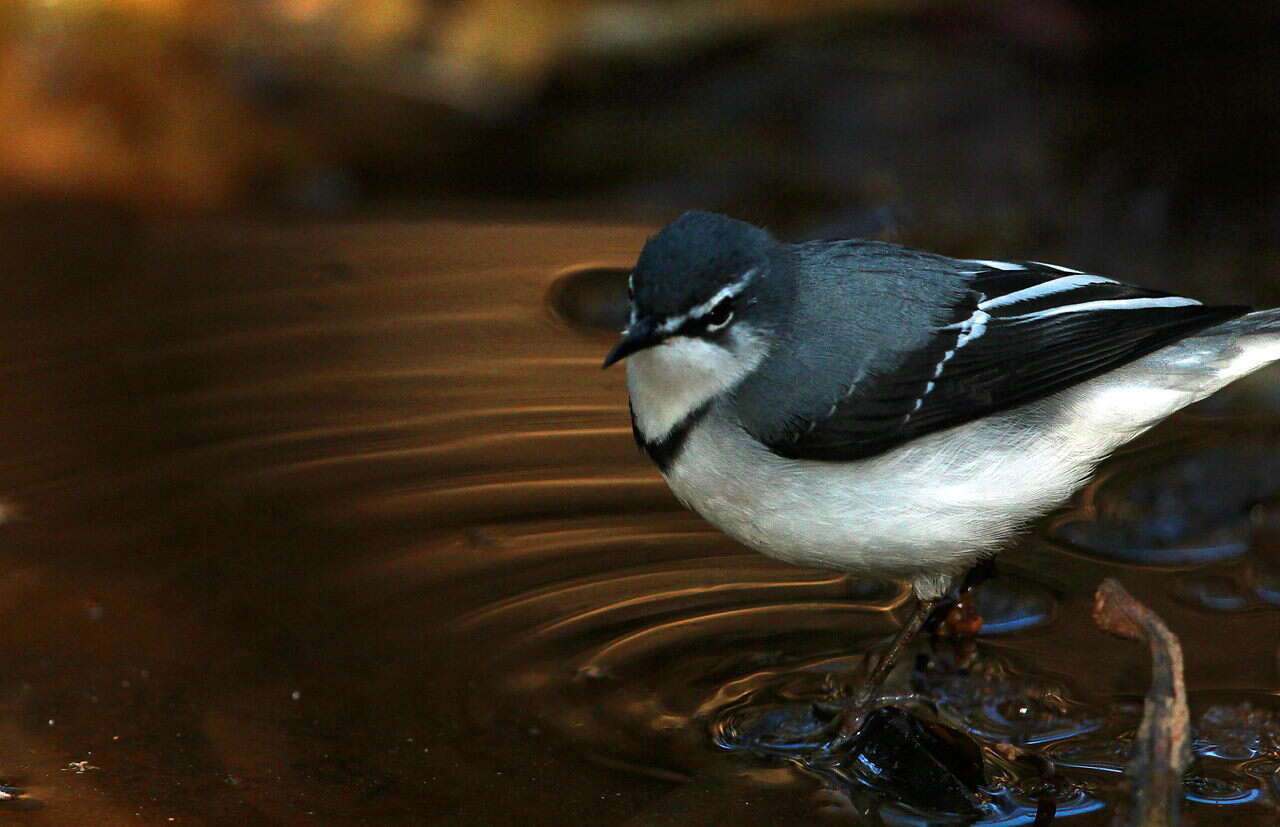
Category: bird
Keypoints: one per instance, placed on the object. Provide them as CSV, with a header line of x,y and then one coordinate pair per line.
x,y
887,412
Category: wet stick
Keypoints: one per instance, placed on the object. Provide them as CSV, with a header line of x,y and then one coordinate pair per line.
x,y
1162,749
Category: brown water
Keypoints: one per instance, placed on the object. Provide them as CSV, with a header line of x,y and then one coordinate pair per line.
x,y
344,525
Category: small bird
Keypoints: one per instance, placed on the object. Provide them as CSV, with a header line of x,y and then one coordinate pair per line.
x,y
866,407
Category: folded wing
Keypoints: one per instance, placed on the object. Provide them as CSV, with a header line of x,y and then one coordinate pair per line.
x,y
1025,330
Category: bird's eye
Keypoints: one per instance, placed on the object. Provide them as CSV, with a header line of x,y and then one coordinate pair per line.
x,y
719,316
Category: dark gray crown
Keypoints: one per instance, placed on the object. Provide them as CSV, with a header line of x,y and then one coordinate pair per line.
x,y
692,258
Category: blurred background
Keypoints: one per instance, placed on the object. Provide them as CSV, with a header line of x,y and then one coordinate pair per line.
x,y
1123,139
316,508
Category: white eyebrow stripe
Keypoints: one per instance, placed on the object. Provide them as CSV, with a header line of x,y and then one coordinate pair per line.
x,y
727,292
996,265
1057,267
631,300
1064,284
1117,304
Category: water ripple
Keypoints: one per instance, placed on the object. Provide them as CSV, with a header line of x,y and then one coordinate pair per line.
x,y
366,529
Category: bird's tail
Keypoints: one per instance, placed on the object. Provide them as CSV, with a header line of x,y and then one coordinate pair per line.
x,y
1260,321
1243,344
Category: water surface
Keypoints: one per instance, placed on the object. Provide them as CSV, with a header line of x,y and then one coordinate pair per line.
x,y
343,524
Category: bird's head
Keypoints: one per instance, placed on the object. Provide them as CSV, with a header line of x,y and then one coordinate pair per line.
x,y
700,292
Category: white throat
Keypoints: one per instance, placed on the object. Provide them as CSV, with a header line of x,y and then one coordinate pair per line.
x,y
672,380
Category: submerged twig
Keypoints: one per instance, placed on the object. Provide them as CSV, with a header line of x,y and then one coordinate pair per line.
x,y
1162,749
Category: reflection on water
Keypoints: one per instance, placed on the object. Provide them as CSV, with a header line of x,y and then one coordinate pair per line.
x,y
345,525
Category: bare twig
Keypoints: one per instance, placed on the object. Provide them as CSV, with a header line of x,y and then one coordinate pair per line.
x,y
1162,750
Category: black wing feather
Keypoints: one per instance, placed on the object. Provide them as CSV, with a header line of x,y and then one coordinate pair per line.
x,y
1022,353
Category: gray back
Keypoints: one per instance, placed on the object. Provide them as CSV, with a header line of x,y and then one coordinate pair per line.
x,y
858,309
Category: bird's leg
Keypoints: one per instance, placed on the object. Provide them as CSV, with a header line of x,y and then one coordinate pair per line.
x,y
979,573
851,719
957,619
919,616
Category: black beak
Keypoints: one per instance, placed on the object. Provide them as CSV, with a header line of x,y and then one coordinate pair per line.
x,y
636,337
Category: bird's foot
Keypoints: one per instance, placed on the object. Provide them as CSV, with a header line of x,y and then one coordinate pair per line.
x,y
850,716
844,732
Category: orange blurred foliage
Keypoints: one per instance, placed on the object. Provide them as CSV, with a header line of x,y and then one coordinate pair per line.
x,y
141,102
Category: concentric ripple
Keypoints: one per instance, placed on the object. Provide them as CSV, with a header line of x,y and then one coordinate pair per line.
x,y
345,525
